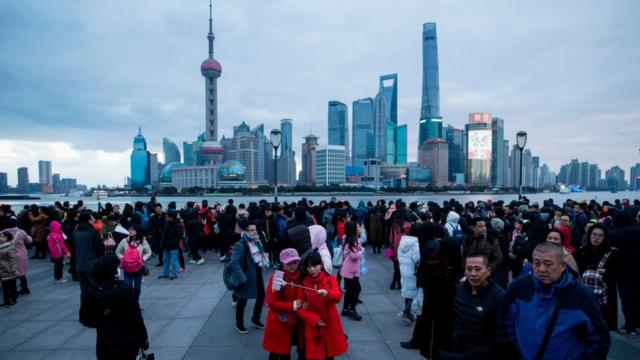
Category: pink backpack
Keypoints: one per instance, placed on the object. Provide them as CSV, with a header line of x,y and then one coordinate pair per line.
x,y
132,260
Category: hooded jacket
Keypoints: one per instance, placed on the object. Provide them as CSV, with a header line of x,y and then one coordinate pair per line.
x,y
319,242
21,239
57,247
8,263
409,258
579,333
452,222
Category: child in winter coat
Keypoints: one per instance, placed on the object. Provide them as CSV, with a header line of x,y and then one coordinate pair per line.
x,y
352,252
408,258
8,269
57,250
282,321
323,333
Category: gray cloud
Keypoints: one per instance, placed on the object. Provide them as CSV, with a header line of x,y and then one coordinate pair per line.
x,y
89,73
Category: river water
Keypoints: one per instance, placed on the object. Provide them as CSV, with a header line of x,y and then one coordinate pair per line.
x,y
92,203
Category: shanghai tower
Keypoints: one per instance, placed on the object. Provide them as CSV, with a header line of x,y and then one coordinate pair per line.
x,y
430,120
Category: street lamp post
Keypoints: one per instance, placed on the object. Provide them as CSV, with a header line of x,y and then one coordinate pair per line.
x,y
276,137
521,141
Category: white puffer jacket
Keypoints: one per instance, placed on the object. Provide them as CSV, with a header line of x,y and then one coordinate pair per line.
x,y
408,257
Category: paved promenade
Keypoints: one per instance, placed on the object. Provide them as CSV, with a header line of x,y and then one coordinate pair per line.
x,y
192,318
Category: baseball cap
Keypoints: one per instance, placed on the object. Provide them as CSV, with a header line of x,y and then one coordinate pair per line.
x,y
289,255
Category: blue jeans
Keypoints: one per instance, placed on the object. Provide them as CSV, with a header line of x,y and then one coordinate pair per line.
x,y
135,281
170,257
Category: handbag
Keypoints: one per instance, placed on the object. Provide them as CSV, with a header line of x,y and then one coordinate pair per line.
x,y
337,257
594,280
142,355
417,302
388,253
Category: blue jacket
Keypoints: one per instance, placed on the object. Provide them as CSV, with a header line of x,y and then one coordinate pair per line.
x,y
246,270
580,331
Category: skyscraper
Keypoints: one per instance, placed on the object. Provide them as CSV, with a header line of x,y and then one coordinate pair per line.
x,y
634,180
527,167
309,147
594,177
55,182
430,120
615,178
188,153
455,141
401,145
44,172
497,152
263,152
386,117
338,117
330,164
515,166
584,175
140,175
535,172
479,146
23,180
171,151
4,183
211,70
154,170
286,156
244,149
363,122
505,165
434,155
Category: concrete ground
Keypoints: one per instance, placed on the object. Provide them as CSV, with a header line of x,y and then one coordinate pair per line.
x,y
192,318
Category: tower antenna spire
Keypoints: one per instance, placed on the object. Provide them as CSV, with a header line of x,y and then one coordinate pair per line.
x,y
139,130
210,36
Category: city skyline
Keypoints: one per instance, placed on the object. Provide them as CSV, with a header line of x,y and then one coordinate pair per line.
x,y
560,82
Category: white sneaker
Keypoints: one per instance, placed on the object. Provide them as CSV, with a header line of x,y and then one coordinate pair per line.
x,y
192,261
200,262
234,304
61,281
223,258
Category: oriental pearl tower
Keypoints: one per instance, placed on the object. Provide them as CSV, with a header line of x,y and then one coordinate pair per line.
x,y
210,68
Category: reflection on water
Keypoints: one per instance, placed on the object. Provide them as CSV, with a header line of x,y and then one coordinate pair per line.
x,y
92,203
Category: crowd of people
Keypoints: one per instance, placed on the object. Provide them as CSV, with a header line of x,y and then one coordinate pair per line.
x,y
485,279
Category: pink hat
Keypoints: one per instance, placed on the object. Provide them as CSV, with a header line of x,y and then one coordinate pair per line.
x,y
289,255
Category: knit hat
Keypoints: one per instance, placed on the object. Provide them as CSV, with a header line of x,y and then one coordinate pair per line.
x,y
497,224
289,255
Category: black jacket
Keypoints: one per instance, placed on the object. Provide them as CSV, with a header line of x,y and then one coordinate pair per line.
x,y
112,309
475,323
626,237
171,235
89,247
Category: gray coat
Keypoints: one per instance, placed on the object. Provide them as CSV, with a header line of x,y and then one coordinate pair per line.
x,y
245,269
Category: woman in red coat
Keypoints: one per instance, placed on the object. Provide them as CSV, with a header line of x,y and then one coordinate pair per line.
x,y
282,321
324,337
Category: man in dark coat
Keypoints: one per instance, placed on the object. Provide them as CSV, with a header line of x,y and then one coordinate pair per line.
x,y
111,308
476,306
171,236
298,235
89,248
626,237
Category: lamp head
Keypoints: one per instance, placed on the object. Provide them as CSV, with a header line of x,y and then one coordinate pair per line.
x,y
276,137
521,139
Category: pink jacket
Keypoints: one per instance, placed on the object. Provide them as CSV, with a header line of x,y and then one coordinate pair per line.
x,y
351,261
21,239
57,247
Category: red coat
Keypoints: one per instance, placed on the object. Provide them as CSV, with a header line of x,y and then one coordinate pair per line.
x,y
281,319
328,341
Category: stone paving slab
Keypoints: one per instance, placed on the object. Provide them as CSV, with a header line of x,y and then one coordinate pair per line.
x,y
192,318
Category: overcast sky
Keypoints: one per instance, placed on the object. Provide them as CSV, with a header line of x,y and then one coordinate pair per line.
x,y
78,77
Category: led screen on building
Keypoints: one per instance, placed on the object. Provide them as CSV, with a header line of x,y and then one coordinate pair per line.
x,y
479,145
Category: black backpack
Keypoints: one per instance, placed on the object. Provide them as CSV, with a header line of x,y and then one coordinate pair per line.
x,y
519,247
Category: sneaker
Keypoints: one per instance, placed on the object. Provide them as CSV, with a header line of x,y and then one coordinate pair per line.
x,y
200,262
192,261
223,258
24,292
172,277
258,324
345,312
241,329
234,304
409,345
60,281
163,277
355,316
626,332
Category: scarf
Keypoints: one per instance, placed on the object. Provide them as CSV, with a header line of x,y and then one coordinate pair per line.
x,y
256,249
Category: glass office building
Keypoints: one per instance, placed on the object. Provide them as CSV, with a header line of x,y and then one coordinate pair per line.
x,y
139,162
363,138
401,145
386,117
